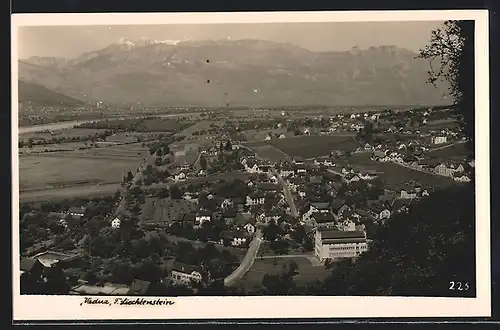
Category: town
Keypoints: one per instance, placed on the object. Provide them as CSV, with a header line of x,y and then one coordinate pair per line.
x,y
234,199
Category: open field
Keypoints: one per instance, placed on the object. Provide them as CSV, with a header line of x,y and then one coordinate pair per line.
x,y
116,152
165,211
56,147
456,151
394,175
91,172
314,146
307,272
223,176
68,132
56,171
199,126
43,195
260,135
271,153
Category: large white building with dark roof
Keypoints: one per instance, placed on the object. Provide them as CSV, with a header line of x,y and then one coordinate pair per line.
x,y
333,244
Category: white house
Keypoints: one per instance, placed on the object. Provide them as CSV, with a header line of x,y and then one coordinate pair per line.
x,y
281,136
461,178
252,169
180,176
286,172
301,169
408,194
385,159
328,162
185,274
439,139
353,116
352,178
115,224
76,211
249,228
203,216
307,132
268,137
442,169
347,225
236,238
267,217
63,223
226,203
314,208
253,200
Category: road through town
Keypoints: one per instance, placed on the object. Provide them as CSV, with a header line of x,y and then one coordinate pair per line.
x,y
287,193
247,261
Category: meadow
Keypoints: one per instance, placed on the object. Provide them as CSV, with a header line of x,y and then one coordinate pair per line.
x,y
78,173
307,272
314,146
270,153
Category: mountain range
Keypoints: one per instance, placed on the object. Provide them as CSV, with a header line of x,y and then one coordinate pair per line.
x,y
219,73
36,94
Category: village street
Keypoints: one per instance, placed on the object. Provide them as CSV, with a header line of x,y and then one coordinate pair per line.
x,y
247,261
137,177
287,193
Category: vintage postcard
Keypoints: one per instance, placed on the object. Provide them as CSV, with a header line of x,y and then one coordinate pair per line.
x,y
250,165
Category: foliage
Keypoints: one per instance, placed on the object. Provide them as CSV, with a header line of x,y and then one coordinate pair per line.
x,y
452,46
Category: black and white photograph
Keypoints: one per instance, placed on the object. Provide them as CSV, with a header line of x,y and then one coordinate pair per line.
x,y
210,155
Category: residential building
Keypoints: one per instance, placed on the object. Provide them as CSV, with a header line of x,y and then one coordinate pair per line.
x,y
461,177
185,274
268,216
352,177
76,211
442,169
234,238
226,203
323,219
203,216
115,223
255,199
339,207
311,208
347,225
333,244
439,139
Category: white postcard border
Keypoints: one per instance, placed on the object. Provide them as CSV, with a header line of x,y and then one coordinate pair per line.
x,y
68,307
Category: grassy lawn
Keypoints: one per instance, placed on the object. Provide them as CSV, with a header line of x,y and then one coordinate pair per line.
x,y
69,192
457,151
394,175
271,153
314,146
307,272
42,172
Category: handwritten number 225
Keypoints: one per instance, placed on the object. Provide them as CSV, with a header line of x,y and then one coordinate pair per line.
x,y
459,286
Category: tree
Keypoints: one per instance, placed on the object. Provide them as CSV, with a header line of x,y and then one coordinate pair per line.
x,y
452,46
293,268
158,161
175,192
203,162
130,176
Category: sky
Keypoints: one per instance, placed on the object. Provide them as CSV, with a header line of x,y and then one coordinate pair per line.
x,y
71,41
